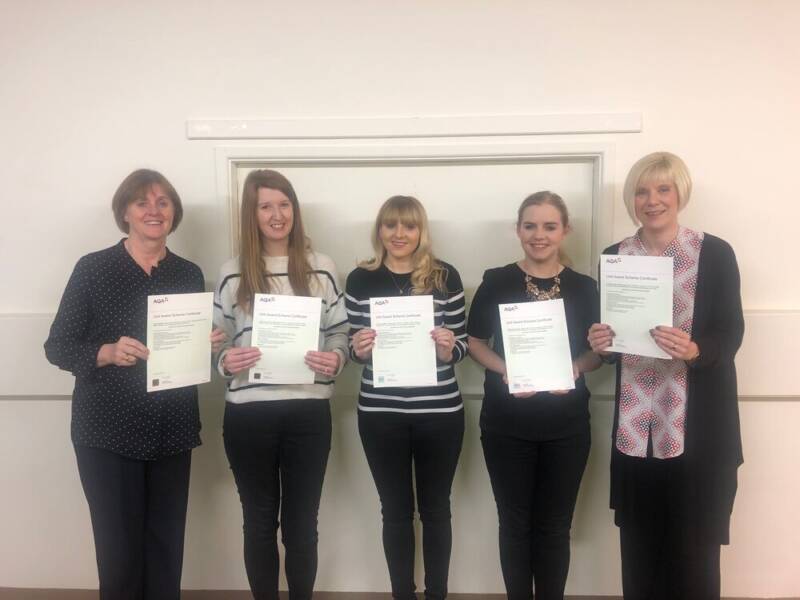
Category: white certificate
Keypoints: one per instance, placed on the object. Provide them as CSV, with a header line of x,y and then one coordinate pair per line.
x,y
179,340
405,353
285,328
636,297
536,346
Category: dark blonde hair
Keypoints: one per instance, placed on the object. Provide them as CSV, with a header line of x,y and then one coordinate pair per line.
x,y
135,187
428,274
557,202
254,275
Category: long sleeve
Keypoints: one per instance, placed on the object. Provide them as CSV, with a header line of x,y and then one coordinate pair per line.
x,y
67,346
720,341
224,318
104,300
448,308
357,306
238,326
454,314
334,322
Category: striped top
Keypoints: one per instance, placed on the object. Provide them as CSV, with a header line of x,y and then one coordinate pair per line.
x,y
449,312
238,325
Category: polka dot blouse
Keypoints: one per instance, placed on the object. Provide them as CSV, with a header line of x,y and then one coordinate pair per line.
x,y
106,298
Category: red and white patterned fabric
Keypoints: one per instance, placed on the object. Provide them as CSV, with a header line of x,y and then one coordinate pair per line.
x,y
652,399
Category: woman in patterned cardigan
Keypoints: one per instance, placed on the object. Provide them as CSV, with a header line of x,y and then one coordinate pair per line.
x,y
676,439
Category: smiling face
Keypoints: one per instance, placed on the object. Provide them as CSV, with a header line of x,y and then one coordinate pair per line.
x,y
656,204
275,218
400,239
540,232
150,217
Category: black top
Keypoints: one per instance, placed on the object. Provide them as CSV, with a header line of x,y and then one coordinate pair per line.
x,y
544,416
106,298
448,311
713,443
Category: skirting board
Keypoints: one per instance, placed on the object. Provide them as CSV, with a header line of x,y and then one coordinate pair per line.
x,y
765,362
32,594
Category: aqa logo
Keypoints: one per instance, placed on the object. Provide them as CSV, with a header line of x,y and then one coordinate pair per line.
x,y
611,261
381,302
160,300
267,299
509,308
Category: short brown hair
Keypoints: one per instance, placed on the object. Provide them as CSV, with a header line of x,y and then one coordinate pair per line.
x,y
135,186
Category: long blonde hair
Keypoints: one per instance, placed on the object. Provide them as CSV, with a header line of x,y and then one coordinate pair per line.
x,y
255,279
428,274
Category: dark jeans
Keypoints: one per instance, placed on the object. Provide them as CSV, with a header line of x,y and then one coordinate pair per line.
x,y
278,452
138,510
535,485
663,558
430,444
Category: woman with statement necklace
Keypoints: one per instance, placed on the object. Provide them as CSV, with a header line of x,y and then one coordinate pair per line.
x,y
133,447
278,436
677,445
410,433
535,444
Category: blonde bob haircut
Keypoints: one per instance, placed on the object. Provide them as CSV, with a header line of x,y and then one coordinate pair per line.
x,y
428,274
657,167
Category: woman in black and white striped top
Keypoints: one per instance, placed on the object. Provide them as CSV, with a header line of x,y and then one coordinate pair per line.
x,y
409,431
278,436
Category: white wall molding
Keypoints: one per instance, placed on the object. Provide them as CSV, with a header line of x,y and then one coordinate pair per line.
x,y
427,152
418,126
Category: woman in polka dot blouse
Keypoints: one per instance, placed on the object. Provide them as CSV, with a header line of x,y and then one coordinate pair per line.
x,y
277,436
133,447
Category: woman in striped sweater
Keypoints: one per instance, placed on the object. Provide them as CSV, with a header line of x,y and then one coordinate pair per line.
x,y
408,430
277,437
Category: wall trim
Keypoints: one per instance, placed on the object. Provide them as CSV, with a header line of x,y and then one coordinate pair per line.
x,y
229,159
426,126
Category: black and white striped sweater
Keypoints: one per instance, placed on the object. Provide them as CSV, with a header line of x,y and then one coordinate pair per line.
x,y
238,325
449,311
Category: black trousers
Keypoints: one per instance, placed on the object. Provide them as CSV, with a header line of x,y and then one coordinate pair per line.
x,y
399,447
663,556
278,452
138,511
535,485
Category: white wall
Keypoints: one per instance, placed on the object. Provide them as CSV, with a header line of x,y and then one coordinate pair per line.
x,y
90,90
